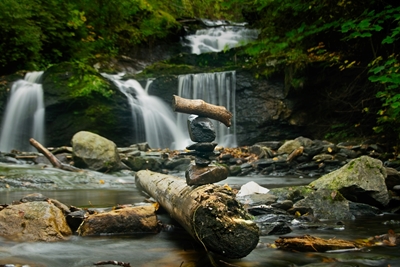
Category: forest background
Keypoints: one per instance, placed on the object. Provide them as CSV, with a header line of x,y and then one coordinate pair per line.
x,y
343,53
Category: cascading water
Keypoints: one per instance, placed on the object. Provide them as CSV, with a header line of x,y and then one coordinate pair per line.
x,y
153,120
24,115
215,88
219,36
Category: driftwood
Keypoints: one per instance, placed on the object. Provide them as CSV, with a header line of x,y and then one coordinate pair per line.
x,y
314,244
127,220
53,159
209,213
202,108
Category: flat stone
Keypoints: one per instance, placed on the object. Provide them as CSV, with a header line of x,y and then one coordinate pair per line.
x,y
197,175
202,162
201,129
203,147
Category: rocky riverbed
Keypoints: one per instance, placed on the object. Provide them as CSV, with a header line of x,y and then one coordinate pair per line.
x,y
349,179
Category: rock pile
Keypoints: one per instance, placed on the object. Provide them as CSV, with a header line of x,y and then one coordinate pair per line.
x,y
202,132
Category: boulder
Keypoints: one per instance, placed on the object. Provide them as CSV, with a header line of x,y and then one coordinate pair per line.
x,y
94,152
289,146
78,98
361,180
33,221
326,204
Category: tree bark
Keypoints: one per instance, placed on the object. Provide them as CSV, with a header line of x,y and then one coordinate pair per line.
x,y
210,213
202,108
53,159
129,220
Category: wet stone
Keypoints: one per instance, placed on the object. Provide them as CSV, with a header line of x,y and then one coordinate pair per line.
x,y
202,161
202,147
33,197
197,175
201,129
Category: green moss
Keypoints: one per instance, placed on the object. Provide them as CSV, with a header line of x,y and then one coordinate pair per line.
x,y
191,63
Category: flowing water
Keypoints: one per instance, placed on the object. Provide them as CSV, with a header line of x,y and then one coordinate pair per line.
x,y
219,36
173,246
24,115
153,120
217,88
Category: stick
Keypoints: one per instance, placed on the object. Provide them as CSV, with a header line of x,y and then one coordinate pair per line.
x,y
53,159
202,108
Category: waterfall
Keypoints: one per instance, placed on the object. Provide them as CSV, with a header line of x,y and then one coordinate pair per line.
x,y
24,115
219,37
215,88
153,120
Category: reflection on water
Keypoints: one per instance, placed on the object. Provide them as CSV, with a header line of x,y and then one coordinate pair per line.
x,y
177,248
81,197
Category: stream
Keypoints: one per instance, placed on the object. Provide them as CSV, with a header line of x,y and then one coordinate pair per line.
x,y
172,246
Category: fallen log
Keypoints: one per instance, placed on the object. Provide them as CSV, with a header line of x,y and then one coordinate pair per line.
x,y
53,159
307,243
128,220
202,108
209,213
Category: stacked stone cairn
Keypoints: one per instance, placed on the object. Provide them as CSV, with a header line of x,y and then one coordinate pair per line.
x,y
202,132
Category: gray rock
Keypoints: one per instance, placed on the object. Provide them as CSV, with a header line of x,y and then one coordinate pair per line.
x,y
201,129
393,178
326,204
361,180
95,152
289,146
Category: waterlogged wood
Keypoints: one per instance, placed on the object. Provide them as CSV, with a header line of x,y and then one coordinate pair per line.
x,y
53,159
209,213
310,243
128,220
202,108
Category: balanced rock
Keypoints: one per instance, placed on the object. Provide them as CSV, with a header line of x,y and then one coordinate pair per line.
x,y
200,175
201,129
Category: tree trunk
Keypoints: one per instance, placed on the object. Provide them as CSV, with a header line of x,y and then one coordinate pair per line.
x,y
210,213
202,108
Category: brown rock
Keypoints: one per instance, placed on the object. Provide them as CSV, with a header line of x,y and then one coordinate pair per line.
x,y
198,175
33,221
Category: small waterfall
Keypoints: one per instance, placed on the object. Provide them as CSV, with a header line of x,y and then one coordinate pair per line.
x,y
24,115
153,120
219,37
215,88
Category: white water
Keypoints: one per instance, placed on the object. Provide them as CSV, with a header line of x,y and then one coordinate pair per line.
x,y
216,39
153,121
215,88
24,115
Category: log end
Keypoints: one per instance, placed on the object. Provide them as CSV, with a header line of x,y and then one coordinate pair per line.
x,y
224,228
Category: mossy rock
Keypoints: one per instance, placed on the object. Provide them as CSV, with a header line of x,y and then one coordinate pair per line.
x,y
78,98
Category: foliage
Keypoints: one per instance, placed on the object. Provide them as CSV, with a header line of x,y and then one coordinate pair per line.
x,y
357,37
87,83
37,33
383,30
